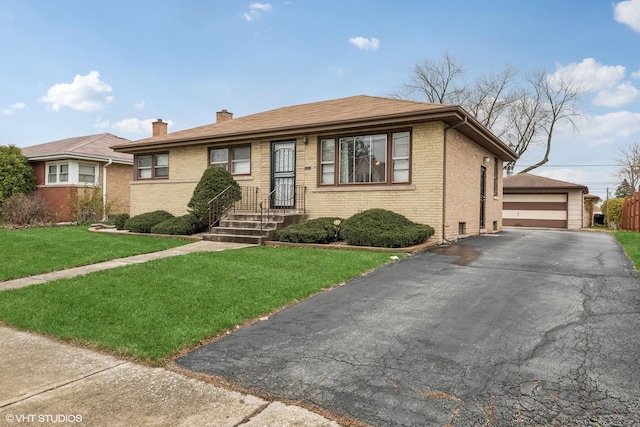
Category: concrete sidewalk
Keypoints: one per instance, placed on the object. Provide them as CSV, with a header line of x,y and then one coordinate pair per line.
x,y
47,383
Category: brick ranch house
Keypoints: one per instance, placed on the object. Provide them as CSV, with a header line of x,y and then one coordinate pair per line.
x,y
433,163
78,166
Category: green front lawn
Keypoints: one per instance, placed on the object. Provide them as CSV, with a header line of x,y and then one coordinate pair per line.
x,y
43,249
630,241
151,311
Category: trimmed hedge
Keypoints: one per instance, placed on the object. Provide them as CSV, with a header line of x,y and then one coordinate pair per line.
x,y
383,228
184,225
142,223
319,230
120,220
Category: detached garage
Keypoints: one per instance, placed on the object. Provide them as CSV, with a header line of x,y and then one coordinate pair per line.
x,y
535,201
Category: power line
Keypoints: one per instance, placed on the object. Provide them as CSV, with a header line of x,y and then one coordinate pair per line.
x,y
568,166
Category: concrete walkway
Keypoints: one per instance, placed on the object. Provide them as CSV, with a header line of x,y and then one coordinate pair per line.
x,y
47,383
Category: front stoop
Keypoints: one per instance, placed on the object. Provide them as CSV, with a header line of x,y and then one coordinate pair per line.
x,y
245,228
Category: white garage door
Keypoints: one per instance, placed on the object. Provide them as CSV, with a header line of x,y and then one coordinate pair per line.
x,y
535,210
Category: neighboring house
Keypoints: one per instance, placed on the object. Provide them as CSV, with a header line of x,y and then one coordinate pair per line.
x,y
433,163
590,210
73,167
536,201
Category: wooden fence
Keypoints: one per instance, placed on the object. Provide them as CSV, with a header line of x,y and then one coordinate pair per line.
x,y
631,213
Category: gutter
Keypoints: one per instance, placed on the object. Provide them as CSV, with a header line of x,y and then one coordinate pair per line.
x,y
104,189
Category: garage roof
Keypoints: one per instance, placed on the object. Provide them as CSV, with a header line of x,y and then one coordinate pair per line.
x,y
527,183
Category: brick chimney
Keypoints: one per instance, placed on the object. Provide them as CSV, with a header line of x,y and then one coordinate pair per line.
x,y
223,116
159,128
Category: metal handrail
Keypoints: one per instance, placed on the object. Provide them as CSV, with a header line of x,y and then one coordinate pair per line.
x,y
268,212
214,216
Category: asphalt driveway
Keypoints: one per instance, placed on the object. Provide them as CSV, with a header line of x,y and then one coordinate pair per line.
x,y
524,327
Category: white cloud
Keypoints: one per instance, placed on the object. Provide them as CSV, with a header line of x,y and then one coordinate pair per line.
x,y
137,126
365,43
256,9
635,74
86,93
140,105
13,108
628,12
601,129
605,81
566,174
101,124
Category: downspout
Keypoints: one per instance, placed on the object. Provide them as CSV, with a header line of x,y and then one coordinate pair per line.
x,y
444,174
104,189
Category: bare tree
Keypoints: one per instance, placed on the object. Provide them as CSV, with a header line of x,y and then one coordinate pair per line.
x,y
558,95
524,117
435,80
629,165
490,97
520,112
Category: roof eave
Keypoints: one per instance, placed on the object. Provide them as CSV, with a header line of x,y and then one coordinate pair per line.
x,y
450,114
73,156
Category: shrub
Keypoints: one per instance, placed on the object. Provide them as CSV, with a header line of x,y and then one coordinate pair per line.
x,y
143,223
24,209
87,205
320,230
16,176
120,220
383,228
184,225
612,210
214,180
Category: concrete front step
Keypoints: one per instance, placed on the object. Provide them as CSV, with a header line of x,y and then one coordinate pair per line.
x,y
234,238
245,228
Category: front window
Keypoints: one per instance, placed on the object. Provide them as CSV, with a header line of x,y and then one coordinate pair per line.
x,y
71,172
365,159
237,160
87,174
152,166
57,173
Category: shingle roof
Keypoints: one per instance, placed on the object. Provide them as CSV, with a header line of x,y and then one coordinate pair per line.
x,y
91,147
526,181
325,116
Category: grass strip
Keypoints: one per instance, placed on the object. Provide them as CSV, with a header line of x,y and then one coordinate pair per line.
x,y
630,241
39,250
151,311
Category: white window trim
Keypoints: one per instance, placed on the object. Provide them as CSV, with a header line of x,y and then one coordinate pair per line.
x,y
74,173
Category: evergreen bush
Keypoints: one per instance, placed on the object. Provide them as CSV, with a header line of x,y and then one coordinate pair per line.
x,y
319,230
383,228
142,223
120,220
214,180
184,225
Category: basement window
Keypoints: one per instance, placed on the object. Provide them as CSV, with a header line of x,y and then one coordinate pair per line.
x,y
462,229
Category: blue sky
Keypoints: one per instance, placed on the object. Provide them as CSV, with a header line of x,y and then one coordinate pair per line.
x,y
72,68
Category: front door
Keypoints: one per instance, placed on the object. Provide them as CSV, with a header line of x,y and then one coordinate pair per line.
x,y
283,175
483,196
